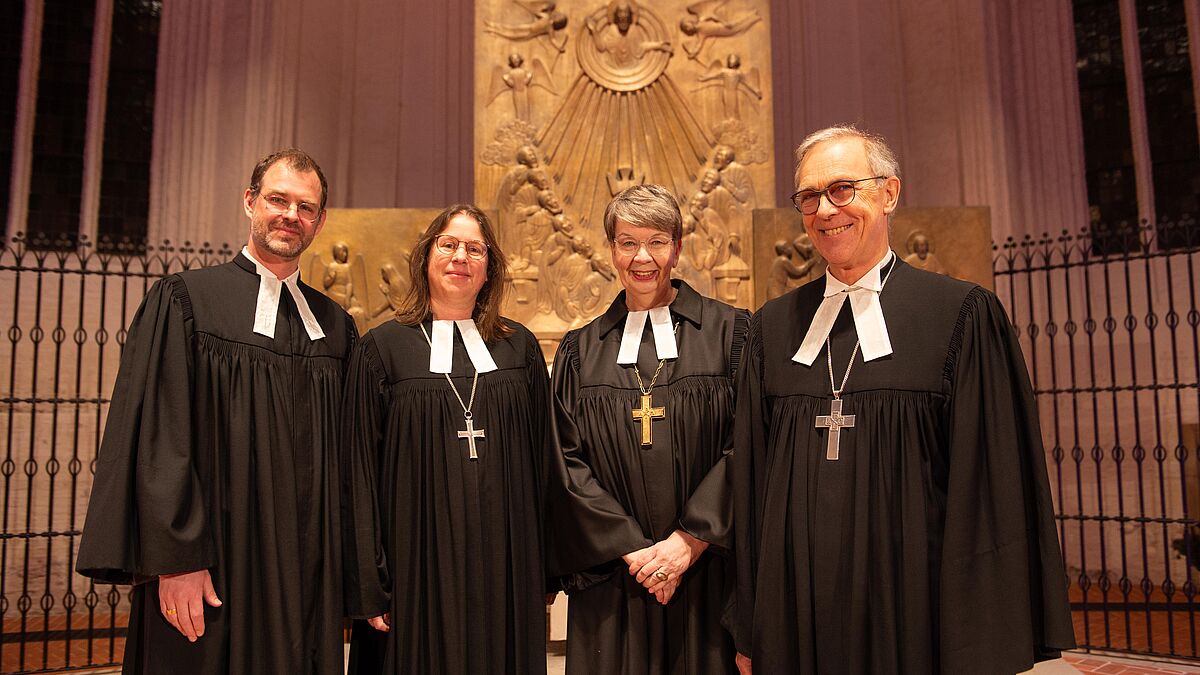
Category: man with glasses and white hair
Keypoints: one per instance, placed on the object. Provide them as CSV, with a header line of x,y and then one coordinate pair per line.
x,y
216,490
893,510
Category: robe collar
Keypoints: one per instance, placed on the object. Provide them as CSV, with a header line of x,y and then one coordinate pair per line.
x,y
687,305
441,346
270,288
866,309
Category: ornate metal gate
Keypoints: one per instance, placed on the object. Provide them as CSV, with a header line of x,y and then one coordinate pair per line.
x,y
1109,327
1111,340
67,308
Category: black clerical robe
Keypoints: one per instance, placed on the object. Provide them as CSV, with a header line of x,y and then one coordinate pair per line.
x,y
219,454
450,546
614,495
928,545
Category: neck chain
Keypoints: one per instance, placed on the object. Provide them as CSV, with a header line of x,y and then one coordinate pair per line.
x,y
470,434
646,413
837,391
837,419
645,389
474,382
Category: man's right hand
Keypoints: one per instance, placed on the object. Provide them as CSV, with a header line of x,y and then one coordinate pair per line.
x,y
181,599
743,663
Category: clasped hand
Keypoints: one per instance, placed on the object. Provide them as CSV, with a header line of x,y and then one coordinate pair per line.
x,y
181,599
660,567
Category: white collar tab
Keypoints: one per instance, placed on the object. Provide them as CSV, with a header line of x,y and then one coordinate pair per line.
x,y
441,346
266,309
868,315
664,335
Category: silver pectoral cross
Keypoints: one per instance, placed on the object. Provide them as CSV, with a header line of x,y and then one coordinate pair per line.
x,y
471,433
835,421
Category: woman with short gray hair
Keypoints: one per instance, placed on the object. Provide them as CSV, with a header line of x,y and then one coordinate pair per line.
x,y
643,403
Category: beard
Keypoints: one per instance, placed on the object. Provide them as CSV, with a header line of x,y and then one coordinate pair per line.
x,y
288,249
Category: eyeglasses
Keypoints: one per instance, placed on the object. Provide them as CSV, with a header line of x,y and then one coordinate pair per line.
x,y
839,194
280,205
448,245
655,246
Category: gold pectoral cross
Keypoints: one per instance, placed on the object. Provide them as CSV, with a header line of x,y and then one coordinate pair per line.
x,y
646,414
835,421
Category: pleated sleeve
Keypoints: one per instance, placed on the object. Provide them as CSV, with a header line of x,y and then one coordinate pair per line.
x,y
588,526
540,438
147,515
708,513
1003,588
366,583
747,484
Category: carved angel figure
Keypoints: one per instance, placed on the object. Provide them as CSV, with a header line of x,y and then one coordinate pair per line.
x,y
517,199
343,280
518,80
733,81
392,287
709,19
548,24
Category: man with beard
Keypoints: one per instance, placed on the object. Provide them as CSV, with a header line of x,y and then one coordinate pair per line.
x,y
216,489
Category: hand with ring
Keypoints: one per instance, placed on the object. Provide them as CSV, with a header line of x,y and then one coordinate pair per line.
x,y
660,567
181,599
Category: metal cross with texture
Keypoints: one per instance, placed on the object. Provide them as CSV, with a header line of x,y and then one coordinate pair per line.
x,y
646,414
835,421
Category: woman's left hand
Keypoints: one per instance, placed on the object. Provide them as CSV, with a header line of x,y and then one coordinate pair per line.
x,y
670,558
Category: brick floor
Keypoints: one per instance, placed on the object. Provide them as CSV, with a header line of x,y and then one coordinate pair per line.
x,y
1093,663
43,655
39,655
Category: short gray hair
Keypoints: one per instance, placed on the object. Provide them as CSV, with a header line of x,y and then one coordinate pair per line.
x,y
644,206
879,156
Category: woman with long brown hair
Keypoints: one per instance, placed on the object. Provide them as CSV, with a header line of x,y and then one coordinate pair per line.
x,y
446,430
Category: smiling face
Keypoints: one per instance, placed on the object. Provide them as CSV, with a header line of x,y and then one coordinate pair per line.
x,y
455,279
645,276
281,236
854,237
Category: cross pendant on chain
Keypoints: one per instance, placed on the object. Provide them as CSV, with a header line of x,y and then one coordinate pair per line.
x,y
471,433
835,421
646,414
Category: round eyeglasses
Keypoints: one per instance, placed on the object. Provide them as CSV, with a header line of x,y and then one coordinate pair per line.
x,y
448,245
280,205
839,194
655,246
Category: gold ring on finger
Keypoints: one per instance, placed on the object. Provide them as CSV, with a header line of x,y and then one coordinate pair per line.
x,y
660,575
171,612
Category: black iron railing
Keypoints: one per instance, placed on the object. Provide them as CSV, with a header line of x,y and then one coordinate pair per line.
x,y
66,304
1109,327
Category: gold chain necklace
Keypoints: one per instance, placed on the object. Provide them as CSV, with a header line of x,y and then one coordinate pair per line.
x,y
646,413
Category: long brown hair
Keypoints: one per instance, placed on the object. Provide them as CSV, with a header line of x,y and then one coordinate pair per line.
x,y
416,306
